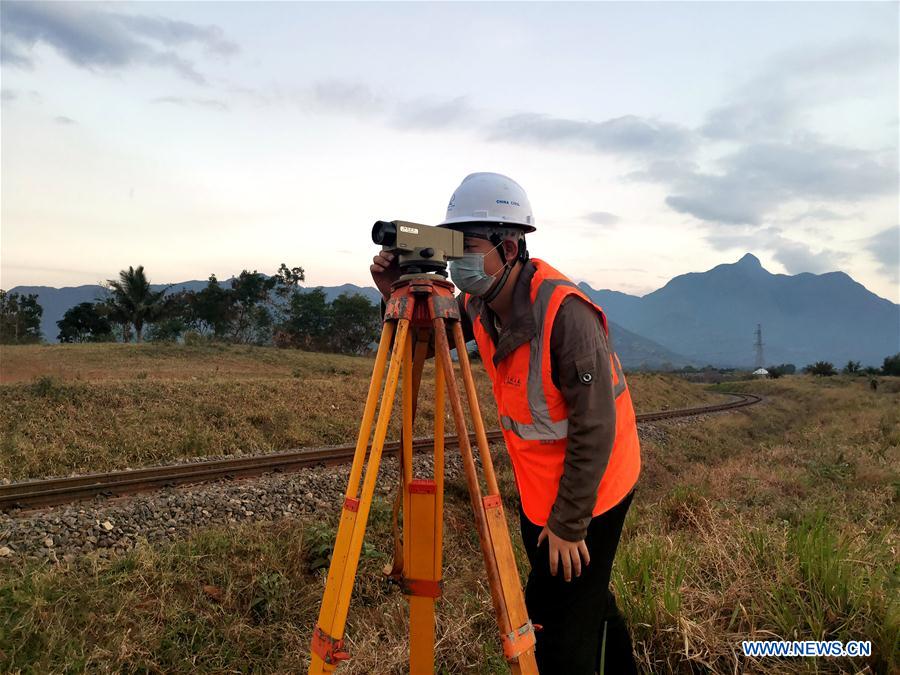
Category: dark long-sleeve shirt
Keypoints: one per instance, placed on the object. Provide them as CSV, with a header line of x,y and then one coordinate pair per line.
x,y
578,345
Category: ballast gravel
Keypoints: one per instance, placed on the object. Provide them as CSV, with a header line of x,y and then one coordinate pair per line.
x,y
112,526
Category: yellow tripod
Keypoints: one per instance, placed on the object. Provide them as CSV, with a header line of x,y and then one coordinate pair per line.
x,y
422,303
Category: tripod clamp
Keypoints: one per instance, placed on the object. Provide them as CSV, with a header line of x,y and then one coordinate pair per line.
x,y
441,302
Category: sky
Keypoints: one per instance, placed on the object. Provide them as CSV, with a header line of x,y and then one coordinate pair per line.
x,y
652,139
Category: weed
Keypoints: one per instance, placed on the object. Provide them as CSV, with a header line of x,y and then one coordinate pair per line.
x,y
47,387
318,543
832,466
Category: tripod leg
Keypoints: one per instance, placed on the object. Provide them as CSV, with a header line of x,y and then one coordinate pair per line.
x,y
406,413
477,421
521,639
365,429
442,348
439,465
512,588
327,641
395,568
516,631
423,543
420,584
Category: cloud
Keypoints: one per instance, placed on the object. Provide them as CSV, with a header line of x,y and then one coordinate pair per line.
x,y
885,248
794,81
429,114
172,32
820,214
331,96
626,135
601,218
771,159
759,177
62,119
357,99
99,39
796,256
343,96
10,95
210,103
7,54
663,171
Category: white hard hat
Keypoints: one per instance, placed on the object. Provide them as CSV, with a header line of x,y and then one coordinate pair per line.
x,y
490,198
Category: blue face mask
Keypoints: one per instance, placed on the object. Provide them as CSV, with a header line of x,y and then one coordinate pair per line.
x,y
469,276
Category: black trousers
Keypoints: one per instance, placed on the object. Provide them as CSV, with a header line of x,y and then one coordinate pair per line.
x,y
574,614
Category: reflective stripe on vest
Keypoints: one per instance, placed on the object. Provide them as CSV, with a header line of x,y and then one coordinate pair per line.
x,y
543,428
618,375
536,442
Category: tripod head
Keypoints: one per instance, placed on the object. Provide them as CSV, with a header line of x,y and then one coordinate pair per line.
x,y
421,249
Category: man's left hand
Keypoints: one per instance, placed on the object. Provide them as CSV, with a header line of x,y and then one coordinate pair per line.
x,y
571,553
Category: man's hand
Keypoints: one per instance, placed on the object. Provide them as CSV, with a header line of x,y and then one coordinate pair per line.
x,y
570,552
385,269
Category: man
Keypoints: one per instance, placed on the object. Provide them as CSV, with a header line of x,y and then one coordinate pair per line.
x,y
567,419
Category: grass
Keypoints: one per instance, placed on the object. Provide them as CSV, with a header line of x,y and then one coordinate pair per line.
x,y
94,407
230,599
167,361
777,521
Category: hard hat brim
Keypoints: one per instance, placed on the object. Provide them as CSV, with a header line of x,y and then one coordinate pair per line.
x,y
457,223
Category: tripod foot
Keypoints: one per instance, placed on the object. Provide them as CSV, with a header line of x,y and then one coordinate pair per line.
x,y
328,649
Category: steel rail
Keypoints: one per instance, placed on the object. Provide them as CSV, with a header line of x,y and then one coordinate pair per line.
x,y
53,491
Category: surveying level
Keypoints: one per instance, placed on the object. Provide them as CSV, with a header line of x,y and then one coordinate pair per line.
x,y
420,248
422,306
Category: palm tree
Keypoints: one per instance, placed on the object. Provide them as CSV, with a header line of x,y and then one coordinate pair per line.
x,y
132,301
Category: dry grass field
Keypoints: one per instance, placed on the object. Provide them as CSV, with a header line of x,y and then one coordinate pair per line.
x,y
775,521
84,408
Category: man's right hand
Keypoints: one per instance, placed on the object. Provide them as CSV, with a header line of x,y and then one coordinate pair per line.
x,y
385,270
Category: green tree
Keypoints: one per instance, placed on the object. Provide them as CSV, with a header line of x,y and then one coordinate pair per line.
x,y
823,368
355,323
210,310
20,318
258,300
251,306
247,310
116,315
133,302
307,320
782,369
891,365
852,368
173,319
85,322
288,279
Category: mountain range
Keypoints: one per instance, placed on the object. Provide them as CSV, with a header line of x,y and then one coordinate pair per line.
x,y
712,316
696,319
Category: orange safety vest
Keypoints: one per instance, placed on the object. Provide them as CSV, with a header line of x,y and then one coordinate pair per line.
x,y
534,414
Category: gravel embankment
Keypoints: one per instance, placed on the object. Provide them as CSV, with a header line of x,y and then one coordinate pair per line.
x,y
110,526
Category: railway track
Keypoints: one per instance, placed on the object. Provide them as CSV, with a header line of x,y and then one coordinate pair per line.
x,y
53,491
